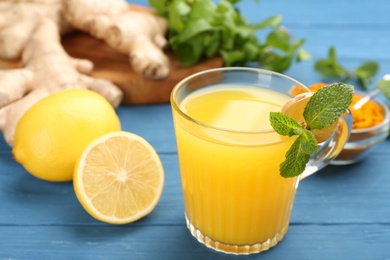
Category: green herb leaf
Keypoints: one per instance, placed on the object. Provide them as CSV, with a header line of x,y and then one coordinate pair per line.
x,y
365,72
303,55
176,12
159,6
284,125
279,39
195,28
203,29
309,144
324,107
384,87
299,153
330,67
296,159
327,104
272,22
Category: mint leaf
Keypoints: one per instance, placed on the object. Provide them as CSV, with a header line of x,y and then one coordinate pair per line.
x,y
296,159
327,104
309,142
384,87
299,154
330,67
284,125
365,72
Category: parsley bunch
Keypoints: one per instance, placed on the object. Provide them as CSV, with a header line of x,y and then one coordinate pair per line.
x,y
200,29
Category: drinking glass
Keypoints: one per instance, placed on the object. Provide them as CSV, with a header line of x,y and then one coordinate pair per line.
x,y
235,199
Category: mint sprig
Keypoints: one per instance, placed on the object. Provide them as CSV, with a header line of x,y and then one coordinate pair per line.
x,y
324,107
330,67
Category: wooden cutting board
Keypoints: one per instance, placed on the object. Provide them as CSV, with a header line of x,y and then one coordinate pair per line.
x,y
114,66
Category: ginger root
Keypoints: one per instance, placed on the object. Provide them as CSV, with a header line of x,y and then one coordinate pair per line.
x,y
139,34
47,69
18,18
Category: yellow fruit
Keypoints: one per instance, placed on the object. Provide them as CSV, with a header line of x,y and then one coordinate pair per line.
x,y
295,107
323,134
53,133
119,178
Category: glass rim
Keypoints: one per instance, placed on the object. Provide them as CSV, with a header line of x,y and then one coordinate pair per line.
x,y
181,83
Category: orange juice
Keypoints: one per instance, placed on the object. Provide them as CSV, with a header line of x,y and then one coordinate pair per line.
x,y
229,161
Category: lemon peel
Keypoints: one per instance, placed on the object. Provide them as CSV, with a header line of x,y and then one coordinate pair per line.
x,y
52,134
119,178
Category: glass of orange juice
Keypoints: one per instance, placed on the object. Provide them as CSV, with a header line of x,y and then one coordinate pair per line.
x,y
229,156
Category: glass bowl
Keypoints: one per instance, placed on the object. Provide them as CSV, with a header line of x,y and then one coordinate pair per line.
x,y
361,141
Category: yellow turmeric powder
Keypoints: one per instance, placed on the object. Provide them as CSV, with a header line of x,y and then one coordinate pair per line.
x,y
370,114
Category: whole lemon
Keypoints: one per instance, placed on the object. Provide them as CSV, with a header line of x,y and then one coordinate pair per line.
x,y
52,134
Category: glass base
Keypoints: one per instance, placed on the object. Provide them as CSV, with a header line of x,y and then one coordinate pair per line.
x,y
235,249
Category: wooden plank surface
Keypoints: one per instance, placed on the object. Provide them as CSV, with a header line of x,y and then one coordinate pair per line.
x,y
352,194
175,242
114,66
342,212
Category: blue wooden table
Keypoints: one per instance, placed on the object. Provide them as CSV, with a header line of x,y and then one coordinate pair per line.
x,y
342,212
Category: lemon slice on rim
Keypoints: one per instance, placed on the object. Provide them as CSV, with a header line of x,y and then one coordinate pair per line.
x,y
295,107
119,178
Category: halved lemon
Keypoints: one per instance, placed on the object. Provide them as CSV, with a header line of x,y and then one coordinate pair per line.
x,y
119,178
